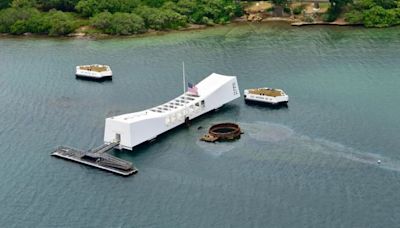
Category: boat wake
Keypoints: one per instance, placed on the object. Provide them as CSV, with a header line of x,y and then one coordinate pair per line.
x,y
342,151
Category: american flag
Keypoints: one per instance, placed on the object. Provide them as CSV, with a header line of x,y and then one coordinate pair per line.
x,y
192,89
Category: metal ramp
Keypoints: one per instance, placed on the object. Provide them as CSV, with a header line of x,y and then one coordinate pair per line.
x,y
104,148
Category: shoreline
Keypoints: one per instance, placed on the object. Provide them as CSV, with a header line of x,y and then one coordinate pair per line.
x,y
99,36
192,27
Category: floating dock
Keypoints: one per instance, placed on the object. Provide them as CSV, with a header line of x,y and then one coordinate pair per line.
x,y
98,158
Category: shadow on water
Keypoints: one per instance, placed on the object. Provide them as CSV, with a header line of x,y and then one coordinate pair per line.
x,y
266,105
98,80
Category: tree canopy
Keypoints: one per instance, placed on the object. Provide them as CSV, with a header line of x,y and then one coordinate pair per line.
x,y
375,13
4,3
112,16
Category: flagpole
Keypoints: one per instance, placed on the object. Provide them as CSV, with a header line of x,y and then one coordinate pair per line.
x,y
183,75
184,89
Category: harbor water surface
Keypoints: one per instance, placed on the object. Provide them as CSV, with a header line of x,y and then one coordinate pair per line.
x,y
313,164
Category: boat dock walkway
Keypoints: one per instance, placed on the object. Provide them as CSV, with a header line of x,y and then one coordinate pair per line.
x,y
97,157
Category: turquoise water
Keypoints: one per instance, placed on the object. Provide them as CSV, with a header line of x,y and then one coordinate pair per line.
x,y
312,164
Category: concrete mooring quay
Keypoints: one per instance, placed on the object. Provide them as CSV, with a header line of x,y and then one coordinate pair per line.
x,y
98,158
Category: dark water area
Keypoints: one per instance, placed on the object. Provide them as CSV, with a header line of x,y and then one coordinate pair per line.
x,y
312,164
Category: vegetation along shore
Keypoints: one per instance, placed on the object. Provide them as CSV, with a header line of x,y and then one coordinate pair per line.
x,y
129,17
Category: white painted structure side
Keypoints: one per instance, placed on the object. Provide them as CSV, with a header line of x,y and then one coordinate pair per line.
x,y
266,99
135,128
93,74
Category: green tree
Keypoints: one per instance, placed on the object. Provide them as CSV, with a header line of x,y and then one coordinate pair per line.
x,y
59,23
64,5
386,4
88,8
186,7
38,23
102,21
363,4
24,3
354,17
19,27
5,3
172,19
154,3
160,19
335,9
126,24
375,13
10,16
118,23
377,16
209,11
113,16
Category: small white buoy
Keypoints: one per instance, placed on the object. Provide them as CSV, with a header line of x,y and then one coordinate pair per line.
x,y
379,162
